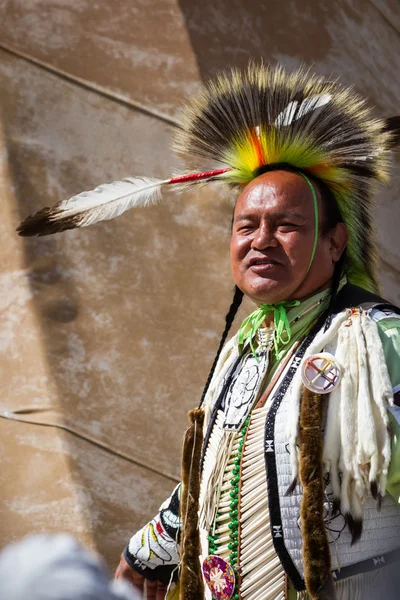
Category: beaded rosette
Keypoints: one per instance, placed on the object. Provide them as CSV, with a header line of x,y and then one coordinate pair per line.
x,y
219,576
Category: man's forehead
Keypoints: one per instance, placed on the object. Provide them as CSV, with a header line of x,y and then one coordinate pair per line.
x,y
281,214
276,190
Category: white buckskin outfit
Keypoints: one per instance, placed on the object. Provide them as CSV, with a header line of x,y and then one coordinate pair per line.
x,y
271,541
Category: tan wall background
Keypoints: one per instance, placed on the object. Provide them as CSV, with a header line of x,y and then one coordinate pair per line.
x,y
107,334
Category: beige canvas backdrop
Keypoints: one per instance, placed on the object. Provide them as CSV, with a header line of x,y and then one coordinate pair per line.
x,y
107,334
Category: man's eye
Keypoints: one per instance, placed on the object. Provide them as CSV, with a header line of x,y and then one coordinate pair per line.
x,y
245,228
287,226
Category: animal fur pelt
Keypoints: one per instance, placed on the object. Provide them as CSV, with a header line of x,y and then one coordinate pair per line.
x,y
357,443
191,581
316,554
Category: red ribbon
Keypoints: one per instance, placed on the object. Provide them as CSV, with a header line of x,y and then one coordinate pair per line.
x,y
196,176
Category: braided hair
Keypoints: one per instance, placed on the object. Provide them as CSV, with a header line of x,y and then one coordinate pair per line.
x,y
229,318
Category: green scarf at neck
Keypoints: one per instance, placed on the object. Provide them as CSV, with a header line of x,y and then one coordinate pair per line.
x,y
250,325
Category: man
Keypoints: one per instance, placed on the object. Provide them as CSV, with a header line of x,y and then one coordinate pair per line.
x,y
271,245
296,450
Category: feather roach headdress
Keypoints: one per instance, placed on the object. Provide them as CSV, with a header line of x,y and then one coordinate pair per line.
x,y
245,122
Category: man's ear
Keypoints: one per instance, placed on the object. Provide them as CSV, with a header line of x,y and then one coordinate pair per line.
x,y
338,241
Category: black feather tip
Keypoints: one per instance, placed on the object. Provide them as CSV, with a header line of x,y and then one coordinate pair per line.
x,y
43,223
393,126
374,490
355,527
335,506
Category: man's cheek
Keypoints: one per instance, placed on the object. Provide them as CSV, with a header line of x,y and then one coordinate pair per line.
x,y
242,248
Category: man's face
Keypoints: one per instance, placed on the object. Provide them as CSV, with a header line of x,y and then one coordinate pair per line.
x,y
272,240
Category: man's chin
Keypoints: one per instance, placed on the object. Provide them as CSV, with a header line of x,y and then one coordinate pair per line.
x,y
270,292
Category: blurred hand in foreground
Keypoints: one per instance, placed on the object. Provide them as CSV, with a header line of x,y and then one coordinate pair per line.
x,y
150,590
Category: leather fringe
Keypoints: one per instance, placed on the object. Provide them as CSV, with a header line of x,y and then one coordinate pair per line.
x,y
316,554
191,580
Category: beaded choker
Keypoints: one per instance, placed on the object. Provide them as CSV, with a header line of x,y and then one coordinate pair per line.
x,y
282,331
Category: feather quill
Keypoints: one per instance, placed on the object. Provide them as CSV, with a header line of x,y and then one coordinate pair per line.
x,y
105,202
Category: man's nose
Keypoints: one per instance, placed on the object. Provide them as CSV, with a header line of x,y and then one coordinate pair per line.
x,y
264,238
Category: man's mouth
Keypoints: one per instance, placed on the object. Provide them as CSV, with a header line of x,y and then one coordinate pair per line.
x,y
262,265
262,261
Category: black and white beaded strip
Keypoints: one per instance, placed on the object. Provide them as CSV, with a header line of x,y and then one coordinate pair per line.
x,y
367,565
271,468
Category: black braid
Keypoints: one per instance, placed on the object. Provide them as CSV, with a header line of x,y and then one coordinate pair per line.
x,y
337,276
230,316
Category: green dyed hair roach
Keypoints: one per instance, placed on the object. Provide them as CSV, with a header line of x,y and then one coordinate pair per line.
x,y
265,117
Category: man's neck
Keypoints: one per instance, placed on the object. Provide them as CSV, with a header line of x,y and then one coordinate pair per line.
x,y
270,318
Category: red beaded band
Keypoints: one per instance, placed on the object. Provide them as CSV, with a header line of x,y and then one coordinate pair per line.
x,y
196,176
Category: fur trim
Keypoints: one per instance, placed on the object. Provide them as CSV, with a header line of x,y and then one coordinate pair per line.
x,y
191,580
316,554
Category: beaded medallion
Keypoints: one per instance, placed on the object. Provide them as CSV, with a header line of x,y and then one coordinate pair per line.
x,y
219,576
321,373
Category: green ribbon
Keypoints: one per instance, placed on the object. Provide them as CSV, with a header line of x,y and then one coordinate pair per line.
x,y
251,324
316,220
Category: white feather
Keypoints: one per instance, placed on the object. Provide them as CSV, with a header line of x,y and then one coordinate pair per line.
x,y
109,200
287,116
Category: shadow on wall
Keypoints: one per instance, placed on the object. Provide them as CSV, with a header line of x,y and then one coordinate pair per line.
x,y
55,301
99,486
229,32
